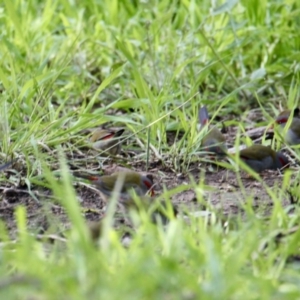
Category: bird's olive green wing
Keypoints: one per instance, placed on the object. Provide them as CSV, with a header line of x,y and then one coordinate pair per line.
x,y
257,152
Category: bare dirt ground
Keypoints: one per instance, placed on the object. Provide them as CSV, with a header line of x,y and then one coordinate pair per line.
x,y
224,192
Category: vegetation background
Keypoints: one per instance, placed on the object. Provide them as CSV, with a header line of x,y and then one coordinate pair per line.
x,y
68,66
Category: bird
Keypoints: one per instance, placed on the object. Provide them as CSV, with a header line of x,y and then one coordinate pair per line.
x,y
292,136
107,140
214,141
260,158
141,184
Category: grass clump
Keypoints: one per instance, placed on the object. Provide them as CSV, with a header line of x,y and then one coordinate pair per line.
x,y
69,66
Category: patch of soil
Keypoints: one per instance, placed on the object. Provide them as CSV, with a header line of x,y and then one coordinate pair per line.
x,y
223,193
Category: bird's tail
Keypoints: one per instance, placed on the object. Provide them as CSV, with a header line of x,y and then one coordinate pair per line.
x,y
203,115
4,166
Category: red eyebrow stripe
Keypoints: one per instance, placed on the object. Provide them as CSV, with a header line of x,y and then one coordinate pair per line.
x,y
93,178
282,161
149,186
281,120
108,136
